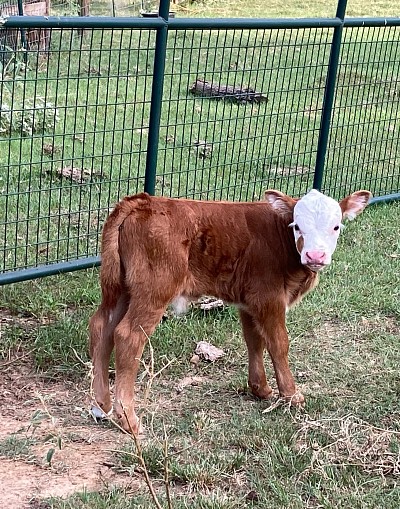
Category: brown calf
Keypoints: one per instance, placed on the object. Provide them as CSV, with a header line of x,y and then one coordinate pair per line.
x,y
156,250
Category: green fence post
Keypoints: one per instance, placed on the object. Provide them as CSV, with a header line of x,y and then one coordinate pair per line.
x,y
329,96
156,100
23,33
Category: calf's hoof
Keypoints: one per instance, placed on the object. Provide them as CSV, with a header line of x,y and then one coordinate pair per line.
x,y
101,411
99,414
129,422
262,392
296,399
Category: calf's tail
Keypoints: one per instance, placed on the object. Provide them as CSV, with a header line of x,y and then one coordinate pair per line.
x,y
112,271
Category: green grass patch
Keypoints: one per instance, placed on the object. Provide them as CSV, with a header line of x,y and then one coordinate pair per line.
x,y
224,448
17,448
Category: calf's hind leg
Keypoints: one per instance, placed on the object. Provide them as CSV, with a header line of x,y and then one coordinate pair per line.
x,y
101,331
130,338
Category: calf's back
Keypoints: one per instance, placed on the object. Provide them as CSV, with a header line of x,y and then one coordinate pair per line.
x,y
230,250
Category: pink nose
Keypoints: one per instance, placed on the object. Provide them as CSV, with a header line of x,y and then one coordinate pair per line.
x,y
315,257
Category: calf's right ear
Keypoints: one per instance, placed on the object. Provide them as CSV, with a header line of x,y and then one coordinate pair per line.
x,y
354,204
280,202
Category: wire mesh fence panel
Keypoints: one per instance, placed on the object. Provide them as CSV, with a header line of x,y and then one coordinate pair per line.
x,y
242,104
115,8
84,8
241,111
73,128
364,145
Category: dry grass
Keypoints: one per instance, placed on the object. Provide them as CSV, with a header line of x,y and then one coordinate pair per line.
x,y
349,441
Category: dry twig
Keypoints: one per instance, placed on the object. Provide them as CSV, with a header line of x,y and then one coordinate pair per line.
x,y
143,465
138,455
166,470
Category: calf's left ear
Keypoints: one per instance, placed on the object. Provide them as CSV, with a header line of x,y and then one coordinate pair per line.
x,y
354,204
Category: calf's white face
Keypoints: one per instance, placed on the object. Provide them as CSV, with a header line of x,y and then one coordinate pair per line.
x,y
317,221
316,225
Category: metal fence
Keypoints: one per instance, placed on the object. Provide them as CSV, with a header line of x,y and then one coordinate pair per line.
x,y
203,108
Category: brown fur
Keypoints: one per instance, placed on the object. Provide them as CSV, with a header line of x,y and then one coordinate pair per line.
x,y
155,249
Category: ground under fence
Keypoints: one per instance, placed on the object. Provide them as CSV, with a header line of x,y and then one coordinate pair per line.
x,y
203,108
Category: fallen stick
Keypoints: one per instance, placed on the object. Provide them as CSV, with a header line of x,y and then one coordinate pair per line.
x,y
217,91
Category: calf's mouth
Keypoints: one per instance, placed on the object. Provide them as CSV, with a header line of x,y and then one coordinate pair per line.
x,y
316,267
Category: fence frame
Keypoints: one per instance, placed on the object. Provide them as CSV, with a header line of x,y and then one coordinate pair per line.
x,y
162,25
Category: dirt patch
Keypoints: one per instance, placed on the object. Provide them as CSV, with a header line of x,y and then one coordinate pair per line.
x,y
288,171
23,319
64,451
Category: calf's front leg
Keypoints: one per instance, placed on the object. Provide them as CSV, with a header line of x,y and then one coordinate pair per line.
x,y
272,325
256,344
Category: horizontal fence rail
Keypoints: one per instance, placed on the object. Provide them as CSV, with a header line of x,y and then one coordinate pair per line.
x,y
95,108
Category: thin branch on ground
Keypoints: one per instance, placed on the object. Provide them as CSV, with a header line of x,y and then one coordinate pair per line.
x,y
149,369
166,470
16,360
142,463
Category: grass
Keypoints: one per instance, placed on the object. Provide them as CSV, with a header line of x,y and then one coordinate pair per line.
x,y
17,447
257,9
225,449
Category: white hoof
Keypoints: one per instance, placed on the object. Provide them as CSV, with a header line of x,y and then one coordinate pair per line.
x,y
98,413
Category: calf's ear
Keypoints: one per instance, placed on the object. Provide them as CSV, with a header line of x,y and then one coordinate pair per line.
x,y
280,202
354,204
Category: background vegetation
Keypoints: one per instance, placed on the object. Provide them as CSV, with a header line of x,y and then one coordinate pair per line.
x,y
74,125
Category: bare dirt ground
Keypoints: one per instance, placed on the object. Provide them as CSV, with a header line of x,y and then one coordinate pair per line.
x,y
49,444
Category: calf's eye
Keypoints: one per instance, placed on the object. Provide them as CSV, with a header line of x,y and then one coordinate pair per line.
x,y
296,227
336,228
